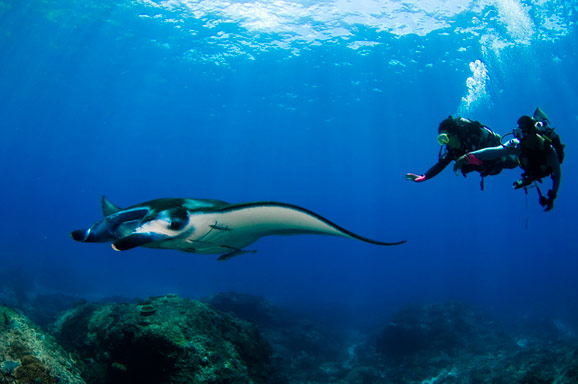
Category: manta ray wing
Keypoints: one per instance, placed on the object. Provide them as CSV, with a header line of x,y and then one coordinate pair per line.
x,y
239,225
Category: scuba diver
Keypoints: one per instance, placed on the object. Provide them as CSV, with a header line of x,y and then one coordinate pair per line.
x,y
458,136
539,152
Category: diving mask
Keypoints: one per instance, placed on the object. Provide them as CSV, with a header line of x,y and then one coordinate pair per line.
x,y
443,139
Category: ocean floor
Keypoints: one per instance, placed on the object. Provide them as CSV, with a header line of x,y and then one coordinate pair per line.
x,y
239,338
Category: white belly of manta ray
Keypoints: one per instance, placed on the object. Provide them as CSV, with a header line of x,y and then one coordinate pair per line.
x,y
219,232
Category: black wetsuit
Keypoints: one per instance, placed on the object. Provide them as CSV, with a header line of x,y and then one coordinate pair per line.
x,y
481,138
537,163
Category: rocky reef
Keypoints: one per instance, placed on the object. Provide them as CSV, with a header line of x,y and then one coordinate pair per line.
x,y
443,343
164,340
238,338
455,343
30,356
304,351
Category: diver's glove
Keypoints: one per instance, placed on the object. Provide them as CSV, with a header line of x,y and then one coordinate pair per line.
x,y
548,202
414,177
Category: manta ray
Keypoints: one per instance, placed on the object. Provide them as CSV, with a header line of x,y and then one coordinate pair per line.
x,y
205,226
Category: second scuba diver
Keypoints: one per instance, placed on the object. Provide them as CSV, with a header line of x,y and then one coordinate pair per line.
x,y
538,149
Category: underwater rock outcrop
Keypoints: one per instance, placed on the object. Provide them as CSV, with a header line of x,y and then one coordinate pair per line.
x,y
303,350
30,356
172,340
164,340
18,291
453,343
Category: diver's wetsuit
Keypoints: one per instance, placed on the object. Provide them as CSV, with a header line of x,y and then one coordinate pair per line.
x,y
486,138
514,148
442,163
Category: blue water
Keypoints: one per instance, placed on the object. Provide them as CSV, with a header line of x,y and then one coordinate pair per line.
x,y
324,104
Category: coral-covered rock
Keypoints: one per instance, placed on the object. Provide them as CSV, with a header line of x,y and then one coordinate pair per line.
x,y
454,343
29,356
164,340
304,350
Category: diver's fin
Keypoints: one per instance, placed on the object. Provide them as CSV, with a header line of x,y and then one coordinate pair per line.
x,y
108,208
539,115
234,253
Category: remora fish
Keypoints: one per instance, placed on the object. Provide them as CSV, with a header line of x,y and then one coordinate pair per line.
x,y
206,226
